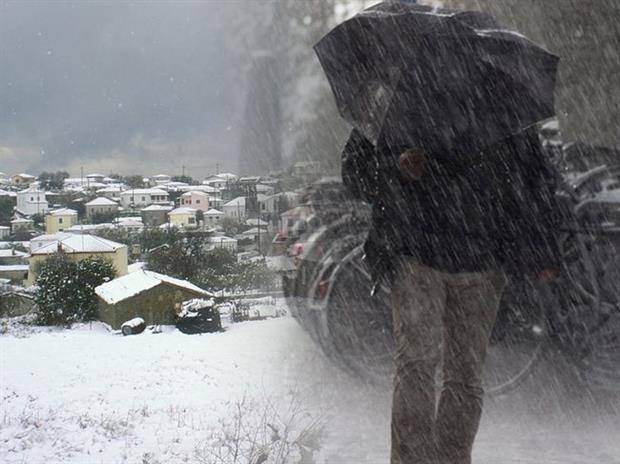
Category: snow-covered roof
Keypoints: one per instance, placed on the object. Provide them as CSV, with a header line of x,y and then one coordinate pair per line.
x,y
80,244
144,192
101,201
13,267
213,212
81,228
162,176
157,208
194,192
63,212
140,281
4,253
24,175
221,239
256,222
254,231
138,266
239,201
182,211
21,221
51,237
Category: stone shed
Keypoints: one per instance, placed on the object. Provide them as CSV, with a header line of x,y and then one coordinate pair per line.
x,y
146,294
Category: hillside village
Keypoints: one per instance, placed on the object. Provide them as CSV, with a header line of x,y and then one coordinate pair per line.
x,y
134,223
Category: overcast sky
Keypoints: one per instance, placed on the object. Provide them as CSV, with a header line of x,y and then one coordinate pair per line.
x,y
120,87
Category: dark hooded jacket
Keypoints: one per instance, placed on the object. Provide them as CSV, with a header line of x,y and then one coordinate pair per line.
x,y
469,212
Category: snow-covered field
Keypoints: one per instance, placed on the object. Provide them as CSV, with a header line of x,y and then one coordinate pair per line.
x,y
90,396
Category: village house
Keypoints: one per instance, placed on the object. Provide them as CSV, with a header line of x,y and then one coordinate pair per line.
x,y
14,273
22,180
195,199
235,209
31,201
101,206
183,217
160,179
213,217
136,198
220,181
21,225
77,248
10,256
60,219
111,192
154,297
155,215
221,241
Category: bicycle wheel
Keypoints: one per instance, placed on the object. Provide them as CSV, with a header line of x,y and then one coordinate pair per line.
x,y
591,323
360,325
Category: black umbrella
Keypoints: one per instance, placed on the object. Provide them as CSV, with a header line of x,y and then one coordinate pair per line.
x,y
442,79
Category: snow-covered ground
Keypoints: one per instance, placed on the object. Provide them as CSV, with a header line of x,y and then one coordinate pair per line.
x,y
90,396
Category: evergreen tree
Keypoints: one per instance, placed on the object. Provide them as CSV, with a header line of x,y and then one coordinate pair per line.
x,y
66,289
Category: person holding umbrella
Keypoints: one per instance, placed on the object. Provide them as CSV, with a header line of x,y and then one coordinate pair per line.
x,y
445,148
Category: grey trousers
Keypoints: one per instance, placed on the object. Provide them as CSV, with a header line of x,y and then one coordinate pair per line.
x,y
440,320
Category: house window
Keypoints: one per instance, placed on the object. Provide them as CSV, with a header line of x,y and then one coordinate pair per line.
x,y
31,198
197,202
143,198
59,220
191,220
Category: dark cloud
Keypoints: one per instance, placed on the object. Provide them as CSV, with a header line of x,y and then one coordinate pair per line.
x,y
142,87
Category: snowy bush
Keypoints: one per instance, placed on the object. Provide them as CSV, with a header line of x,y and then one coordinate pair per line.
x,y
258,433
66,289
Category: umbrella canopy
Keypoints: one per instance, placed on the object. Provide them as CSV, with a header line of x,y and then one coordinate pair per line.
x,y
435,78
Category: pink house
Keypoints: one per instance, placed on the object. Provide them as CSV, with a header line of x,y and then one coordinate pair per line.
x,y
196,200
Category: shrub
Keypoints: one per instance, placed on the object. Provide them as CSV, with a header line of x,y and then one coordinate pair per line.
x,y
66,289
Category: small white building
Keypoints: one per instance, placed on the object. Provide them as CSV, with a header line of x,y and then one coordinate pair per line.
x,y
227,243
32,201
235,209
160,179
111,192
213,217
220,181
101,205
143,197
5,231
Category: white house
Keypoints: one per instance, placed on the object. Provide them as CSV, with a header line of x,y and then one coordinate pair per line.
x,y
101,205
220,181
195,199
161,179
143,197
213,217
31,201
112,192
235,209
230,244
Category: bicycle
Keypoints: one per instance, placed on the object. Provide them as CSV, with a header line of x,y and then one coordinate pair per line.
x,y
575,315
